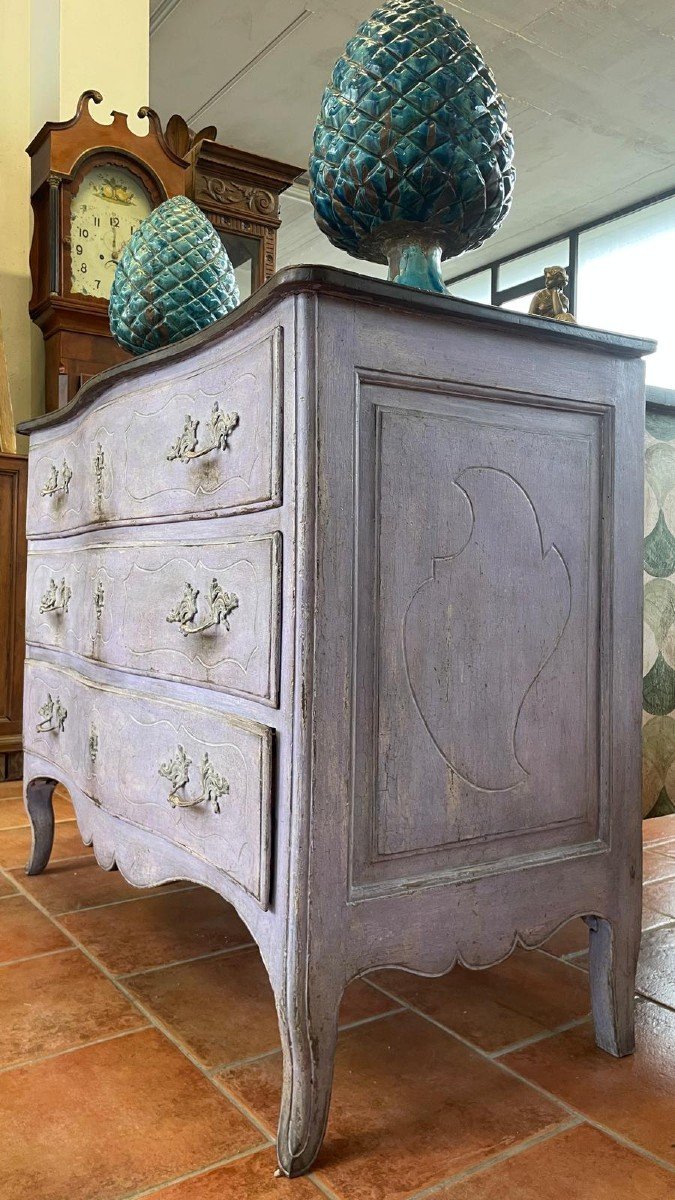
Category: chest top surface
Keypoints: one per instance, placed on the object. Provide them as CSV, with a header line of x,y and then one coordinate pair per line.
x,y
391,300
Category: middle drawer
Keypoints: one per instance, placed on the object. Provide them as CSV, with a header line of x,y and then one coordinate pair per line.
x,y
206,611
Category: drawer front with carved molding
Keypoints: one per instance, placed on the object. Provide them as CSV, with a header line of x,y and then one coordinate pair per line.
x,y
200,444
197,778
204,612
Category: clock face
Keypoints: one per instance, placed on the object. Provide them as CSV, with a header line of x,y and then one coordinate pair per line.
x,y
109,205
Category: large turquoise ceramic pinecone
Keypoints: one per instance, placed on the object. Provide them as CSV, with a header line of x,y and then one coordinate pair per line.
x,y
173,278
412,132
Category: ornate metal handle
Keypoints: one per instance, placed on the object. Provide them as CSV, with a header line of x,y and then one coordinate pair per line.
x,y
177,771
219,606
53,716
218,429
99,599
58,481
56,598
98,467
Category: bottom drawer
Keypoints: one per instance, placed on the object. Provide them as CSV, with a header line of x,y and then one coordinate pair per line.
x,y
199,779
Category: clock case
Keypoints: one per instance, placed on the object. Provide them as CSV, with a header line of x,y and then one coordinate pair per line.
x,y
239,193
74,326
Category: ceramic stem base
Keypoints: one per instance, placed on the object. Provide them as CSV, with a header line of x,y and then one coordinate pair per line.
x,y
416,262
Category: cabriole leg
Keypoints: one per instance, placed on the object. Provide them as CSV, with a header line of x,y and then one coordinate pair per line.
x,y
40,810
613,954
308,1021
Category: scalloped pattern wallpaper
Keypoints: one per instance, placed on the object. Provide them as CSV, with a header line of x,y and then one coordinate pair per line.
x,y
658,685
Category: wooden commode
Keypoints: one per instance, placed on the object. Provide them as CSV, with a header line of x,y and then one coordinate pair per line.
x,y
335,609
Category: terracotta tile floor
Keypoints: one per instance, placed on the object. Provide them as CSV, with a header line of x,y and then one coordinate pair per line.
x,y
139,1055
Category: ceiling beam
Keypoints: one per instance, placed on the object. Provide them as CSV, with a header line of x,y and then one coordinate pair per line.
x,y
161,12
252,63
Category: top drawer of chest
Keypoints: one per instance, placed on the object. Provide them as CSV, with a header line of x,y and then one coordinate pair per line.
x,y
203,443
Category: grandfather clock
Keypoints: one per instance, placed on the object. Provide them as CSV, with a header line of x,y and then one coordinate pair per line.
x,y
91,185
239,193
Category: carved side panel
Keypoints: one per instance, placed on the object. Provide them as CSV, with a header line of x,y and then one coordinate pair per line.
x,y
198,779
478,666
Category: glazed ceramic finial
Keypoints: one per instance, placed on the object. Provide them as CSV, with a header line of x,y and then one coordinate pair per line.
x,y
413,156
173,278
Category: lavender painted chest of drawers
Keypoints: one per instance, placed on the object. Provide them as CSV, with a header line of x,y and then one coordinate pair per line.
x,y
335,609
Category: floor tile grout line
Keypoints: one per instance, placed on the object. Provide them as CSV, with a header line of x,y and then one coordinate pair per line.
x,y
491,1055
551,1096
253,1058
222,1162
653,1000
320,1185
567,961
260,1125
315,1178
37,1060
501,1156
70,912
563,958
629,1145
242,1062
53,862
183,962
539,1037
26,825
151,1018
12,962
254,1120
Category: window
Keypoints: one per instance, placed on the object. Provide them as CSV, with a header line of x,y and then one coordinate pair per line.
x,y
618,279
530,267
474,287
624,282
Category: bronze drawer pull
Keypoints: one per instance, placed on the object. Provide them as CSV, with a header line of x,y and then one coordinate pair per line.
x,y
99,599
56,598
53,716
57,482
219,606
177,771
98,467
218,429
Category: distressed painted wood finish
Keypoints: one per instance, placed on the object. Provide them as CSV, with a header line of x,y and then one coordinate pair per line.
x,y
151,606
124,461
449,765
121,748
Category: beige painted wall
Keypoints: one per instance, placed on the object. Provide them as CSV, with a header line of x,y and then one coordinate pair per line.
x,y
23,342
50,52
101,44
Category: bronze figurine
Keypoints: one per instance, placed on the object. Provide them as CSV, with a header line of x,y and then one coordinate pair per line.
x,y
551,301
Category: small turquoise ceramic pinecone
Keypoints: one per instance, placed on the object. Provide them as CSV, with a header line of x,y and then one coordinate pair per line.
x,y
174,277
413,156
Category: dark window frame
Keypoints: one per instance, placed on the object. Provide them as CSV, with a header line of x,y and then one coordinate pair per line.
x,y
500,296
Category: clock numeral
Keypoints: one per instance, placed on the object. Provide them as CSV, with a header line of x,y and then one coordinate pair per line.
x,y
97,282
83,269
78,250
97,220
84,233
114,221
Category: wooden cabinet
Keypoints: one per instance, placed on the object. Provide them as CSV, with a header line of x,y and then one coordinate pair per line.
x,y
367,664
13,480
